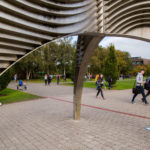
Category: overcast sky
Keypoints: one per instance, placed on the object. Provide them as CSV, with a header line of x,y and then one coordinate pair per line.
x,y
135,47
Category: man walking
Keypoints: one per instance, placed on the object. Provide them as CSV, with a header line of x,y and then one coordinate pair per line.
x,y
139,85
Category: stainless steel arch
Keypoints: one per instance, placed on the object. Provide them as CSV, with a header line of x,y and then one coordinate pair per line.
x,y
25,25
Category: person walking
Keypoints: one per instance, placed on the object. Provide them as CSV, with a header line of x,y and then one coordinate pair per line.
x,y
148,86
15,78
100,83
91,76
58,79
139,85
64,78
49,79
46,79
109,82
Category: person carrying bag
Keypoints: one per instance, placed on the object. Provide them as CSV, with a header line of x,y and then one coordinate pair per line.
x,y
139,89
136,90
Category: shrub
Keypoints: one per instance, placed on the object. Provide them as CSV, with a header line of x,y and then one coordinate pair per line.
x,y
5,79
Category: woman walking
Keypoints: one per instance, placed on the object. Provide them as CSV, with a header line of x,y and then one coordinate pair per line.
x,y
100,83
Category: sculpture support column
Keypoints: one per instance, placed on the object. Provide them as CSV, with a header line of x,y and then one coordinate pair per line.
x,y
85,48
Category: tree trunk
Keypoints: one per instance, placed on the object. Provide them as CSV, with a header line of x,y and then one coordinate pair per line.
x,y
64,71
28,73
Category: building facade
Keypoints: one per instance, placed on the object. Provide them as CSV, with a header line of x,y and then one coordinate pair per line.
x,y
140,61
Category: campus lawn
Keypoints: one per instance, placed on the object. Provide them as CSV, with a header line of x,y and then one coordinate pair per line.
x,y
124,84
11,96
120,85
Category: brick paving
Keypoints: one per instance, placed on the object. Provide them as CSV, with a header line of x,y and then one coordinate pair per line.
x,y
47,124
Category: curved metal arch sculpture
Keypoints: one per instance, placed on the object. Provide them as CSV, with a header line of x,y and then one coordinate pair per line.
x,y
25,25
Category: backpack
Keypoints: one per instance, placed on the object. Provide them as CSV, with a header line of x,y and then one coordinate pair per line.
x,y
147,84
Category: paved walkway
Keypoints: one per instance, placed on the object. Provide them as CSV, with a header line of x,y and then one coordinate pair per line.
x,y
47,124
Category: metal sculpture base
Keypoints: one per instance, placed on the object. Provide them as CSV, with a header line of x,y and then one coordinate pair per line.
x,y
85,49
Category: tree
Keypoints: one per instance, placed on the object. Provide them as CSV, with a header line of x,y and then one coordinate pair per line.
x,y
138,68
28,65
65,55
97,61
148,70
49,57
124,62
52,58
6,78
111,65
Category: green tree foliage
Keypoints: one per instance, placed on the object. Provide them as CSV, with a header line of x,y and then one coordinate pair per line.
x,y
28,65
49,57
148,70
97,61
138,68
65,55
52,58
124,62
6,78
59,57
111,65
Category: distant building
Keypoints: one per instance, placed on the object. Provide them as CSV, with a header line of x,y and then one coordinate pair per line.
x,y
140,61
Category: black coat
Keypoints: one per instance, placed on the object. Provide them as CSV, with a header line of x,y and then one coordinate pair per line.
x,y
100,83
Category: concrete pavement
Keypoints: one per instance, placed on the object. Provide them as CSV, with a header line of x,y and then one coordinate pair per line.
x,y
47,124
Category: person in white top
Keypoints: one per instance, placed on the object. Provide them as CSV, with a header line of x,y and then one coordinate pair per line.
x,y
139,85
46,79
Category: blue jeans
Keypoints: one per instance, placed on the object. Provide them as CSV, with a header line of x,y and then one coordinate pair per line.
x,y
142,92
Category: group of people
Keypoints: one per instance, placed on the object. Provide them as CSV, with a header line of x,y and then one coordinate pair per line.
x,y
141,85
48,79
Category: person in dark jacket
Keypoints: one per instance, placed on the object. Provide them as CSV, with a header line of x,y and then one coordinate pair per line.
x,y
148,86
100,83
109,82
49,79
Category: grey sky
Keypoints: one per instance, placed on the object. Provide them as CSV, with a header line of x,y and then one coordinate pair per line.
x,y
134,47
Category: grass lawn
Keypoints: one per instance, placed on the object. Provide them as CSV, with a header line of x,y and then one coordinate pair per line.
x,y
120,85
11,96
124,84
